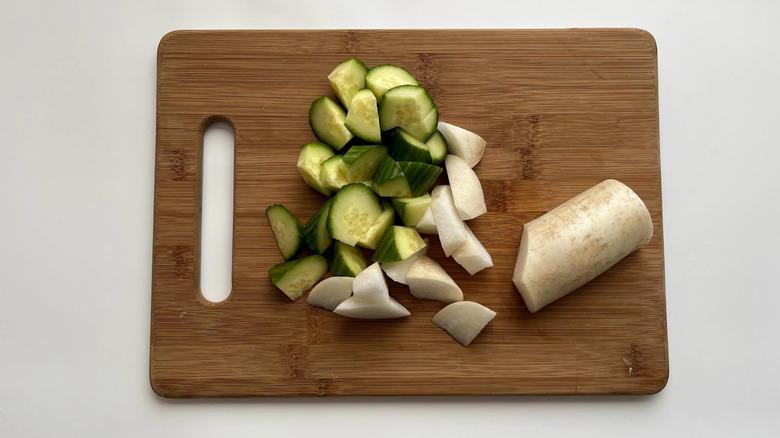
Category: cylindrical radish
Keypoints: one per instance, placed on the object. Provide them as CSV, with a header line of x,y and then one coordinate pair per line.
x,y
579,240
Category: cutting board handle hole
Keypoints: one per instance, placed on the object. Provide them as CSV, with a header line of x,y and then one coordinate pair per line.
x,y
216,233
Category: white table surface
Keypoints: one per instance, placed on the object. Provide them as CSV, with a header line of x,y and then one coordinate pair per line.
x,y
77,93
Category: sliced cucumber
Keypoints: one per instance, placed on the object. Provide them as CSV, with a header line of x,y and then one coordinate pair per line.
x,y
375,232
405,147
316,230
297,276
354,209
287,229
420,176
384,77
437,146
411,108
333,173
311,157
363,117
363,161
347,78
390,181
411,210
397,244
326,119
347,260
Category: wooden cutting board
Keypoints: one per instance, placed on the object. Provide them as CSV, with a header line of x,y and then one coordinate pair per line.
x,y
561,110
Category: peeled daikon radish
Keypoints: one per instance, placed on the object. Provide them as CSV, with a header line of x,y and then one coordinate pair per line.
x,y
451,228
578,241
428,280
427,225
464,320
371,298
330,292
370,285
472,255
463,143
466,188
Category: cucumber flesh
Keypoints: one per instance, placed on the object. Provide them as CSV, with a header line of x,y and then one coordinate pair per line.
x,y
437,147
384,77
297,276
333,173
426,224
375,232
326,119
287,230
363,161
405,147
363,117
309,161
347,261
316,230
411,210
397,244
347,78
411,108
354,209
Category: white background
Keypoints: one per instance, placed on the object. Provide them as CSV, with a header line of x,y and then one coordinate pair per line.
x,y
77,94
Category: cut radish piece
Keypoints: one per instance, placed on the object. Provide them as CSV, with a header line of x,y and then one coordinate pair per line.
x,y
426,224
330,292
397,270
354,308
464,320
472,255
428,280
451,229
463,143
370,285
466,188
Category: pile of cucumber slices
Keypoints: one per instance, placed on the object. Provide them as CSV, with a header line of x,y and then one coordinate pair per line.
x,y
381,149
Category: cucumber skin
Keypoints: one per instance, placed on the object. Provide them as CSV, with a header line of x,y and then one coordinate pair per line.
x,y
278,272
341,254
404,147
387,250
299,245
312,230
402,208
387,173
437,142
420,176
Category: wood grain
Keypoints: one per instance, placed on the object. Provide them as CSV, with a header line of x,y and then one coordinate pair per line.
x,y
561,110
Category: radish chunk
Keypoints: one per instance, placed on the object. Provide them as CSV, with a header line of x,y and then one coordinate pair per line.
x,y
429,281
472,255
371,298
463,143
451,229
426,224
397,270
464,320
330,292
466,188
370,285
578,241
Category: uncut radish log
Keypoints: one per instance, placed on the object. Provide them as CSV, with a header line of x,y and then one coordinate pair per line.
x,y
578,241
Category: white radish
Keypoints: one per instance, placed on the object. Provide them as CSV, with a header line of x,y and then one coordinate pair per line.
x,y
463,143
578,241
426,224
353,308
330,292
466,188
472,255
428,280
464,320
451,229
397,270
370,286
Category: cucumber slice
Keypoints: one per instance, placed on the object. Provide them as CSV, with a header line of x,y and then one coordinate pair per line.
x,y
384,77
411,108
347,260
309,161
354,209
404,147
347,78
420,176
363,161
411,210
397,244
390,180
333,173
363,117
287,230
326,119
297,276
437,146
375,232
427,224
316,230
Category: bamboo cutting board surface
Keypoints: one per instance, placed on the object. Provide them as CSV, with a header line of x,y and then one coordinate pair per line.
x,y
561,110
